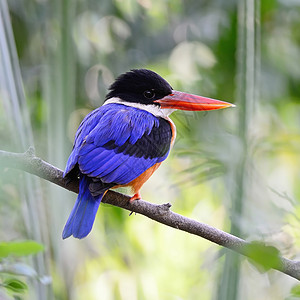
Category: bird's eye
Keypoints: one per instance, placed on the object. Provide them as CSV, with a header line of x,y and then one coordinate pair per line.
x,y
149,94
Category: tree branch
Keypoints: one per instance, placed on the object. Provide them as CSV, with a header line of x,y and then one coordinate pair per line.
x,y
29,163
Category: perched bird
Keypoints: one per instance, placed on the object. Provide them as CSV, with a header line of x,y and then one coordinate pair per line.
x,y
124,141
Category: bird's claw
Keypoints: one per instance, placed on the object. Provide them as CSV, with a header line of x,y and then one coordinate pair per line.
x,y
136,196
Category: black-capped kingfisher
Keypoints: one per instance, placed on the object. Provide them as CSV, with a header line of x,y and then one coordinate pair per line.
x,y
124,141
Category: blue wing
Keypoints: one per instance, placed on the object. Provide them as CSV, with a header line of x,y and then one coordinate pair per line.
x,y
117,143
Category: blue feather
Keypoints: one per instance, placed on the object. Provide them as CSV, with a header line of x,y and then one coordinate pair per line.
x,y
126,174
128,170
95,158
93,164
117,128
83,214
112,173
87,125
72,161
123,134
112,163
100,135
102,172
85,149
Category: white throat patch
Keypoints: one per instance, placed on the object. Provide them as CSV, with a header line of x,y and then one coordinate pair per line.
x,y
152,108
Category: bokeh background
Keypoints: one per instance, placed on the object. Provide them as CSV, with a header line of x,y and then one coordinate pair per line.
x,y
236,169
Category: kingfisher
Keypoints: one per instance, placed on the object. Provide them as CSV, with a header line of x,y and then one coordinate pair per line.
x,y
122,142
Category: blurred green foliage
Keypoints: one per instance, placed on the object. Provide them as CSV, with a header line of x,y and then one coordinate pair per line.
x,y
11,267
19,248
266,257
69,53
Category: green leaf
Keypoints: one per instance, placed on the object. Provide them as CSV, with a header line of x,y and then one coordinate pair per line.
x,y
265,256
20,248
15,285
295,291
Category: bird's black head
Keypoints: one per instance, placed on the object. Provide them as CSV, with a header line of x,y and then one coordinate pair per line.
x,y
139,86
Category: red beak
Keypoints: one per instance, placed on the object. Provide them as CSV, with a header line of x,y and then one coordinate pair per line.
x,y
184,101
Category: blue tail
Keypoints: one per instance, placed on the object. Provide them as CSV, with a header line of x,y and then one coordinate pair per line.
x,y
83,214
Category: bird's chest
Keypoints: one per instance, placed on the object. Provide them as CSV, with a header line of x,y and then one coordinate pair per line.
x,y
173,130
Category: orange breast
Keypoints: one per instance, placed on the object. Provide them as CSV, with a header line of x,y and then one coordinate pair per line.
x,y
138,182
173,128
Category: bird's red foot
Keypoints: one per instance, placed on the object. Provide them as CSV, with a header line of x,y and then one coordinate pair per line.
x,y
136,196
